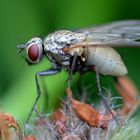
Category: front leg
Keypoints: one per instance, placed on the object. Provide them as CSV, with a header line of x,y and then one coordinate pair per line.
x,y
41,73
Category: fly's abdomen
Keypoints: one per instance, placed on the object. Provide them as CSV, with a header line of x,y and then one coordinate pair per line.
x,y
106,59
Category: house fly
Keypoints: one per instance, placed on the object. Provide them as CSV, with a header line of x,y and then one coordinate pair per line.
x,y
83,50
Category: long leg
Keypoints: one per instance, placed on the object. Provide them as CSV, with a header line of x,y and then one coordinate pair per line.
x,y
100,92
72,68
42,73
74,61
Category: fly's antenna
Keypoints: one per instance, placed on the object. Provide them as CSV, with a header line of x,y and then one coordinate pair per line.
x,y
20,48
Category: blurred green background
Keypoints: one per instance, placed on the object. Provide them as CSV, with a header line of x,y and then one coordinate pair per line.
x,y
22,20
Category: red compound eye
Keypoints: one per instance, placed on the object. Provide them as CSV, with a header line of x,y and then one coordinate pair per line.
x,y
33,52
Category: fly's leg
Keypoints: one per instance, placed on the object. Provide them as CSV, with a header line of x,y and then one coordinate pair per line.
x,y
100,92
129,94
42,73
72,68
73,65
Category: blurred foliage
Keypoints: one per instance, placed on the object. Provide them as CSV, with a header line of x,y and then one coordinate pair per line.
x,y
24,19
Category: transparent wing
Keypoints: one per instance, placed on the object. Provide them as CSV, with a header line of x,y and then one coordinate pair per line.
x,y
122,33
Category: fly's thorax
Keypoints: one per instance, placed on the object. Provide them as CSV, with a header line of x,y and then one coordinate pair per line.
x,y
55,43
106,59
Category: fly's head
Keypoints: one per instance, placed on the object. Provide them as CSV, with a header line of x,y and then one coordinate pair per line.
x,y
33,50
55,44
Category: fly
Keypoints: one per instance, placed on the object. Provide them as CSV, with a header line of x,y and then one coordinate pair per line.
x,y
84,50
